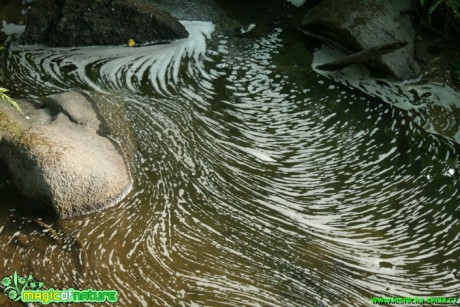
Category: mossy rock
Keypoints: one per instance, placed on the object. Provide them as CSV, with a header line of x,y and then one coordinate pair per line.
x,y
12,123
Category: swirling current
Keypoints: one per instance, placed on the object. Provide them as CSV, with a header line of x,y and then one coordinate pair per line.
x,y
258,182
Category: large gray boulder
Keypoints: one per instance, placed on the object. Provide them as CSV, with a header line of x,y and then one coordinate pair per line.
x,y
68,23
361,24
58,159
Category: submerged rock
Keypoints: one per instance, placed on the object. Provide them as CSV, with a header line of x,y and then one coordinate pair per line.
x,y
362,24
67,23
58,159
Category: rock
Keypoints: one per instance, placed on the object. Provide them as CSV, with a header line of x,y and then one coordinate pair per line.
x,y
58,160
77,108
67,23
357,25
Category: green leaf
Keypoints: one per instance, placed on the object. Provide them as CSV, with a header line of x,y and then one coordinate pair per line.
x,y
15,279
454,6
435,6
9,100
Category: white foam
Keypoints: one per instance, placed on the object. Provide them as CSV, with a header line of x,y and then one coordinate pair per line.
x,y
258,154
405,95
12,29
248,28
297,3
123,66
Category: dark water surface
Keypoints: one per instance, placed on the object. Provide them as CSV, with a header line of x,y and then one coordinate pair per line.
x,y
259,182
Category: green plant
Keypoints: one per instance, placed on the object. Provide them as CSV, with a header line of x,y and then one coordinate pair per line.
x,y
9,100
452,5
447,16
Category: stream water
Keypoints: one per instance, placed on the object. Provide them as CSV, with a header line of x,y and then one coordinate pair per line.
x,y
258,181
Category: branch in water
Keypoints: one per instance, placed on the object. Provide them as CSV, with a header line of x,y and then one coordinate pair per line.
x,y
362,56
